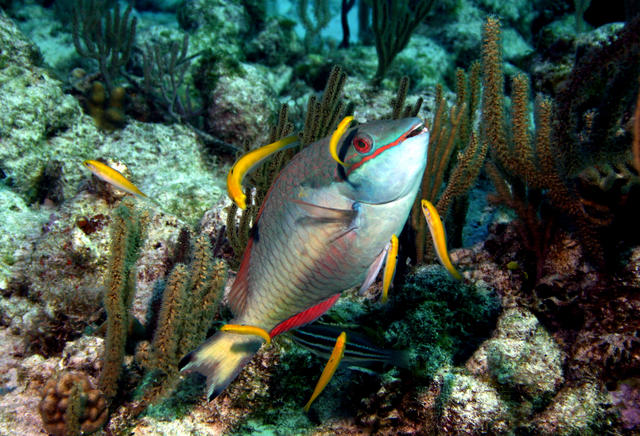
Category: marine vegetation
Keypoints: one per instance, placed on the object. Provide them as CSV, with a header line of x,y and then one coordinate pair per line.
x,y
548,174
392,24
105,37
385,234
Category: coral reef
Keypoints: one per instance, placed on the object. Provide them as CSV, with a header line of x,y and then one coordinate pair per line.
x,y
541,336
72,405
521,357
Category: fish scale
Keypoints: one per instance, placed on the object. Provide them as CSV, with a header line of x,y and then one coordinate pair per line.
x,y
317,234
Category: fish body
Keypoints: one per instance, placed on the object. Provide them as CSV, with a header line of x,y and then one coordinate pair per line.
x,y
439,236
106,173
359,353
320,229
334,360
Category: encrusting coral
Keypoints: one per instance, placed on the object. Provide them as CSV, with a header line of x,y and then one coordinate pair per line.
x,y
108,113
71,405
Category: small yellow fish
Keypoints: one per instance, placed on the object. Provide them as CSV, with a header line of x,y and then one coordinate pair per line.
x,y
247,330
389,267
112,176
330,369
335,138
439,237
513,265
249,161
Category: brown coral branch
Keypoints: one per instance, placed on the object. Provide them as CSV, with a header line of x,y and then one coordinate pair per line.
x,y
636,135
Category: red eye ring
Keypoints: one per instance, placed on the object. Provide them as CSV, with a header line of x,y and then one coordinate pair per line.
x,y
362,144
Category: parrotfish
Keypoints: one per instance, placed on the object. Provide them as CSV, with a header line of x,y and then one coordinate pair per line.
x,y
325,226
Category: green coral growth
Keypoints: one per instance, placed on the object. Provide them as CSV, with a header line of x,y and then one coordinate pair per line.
x,y
438,319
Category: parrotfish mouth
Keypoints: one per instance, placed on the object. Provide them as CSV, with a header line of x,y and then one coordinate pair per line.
x,y
419,129
410,136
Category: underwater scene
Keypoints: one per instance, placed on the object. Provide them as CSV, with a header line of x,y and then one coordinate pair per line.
x,y
319,217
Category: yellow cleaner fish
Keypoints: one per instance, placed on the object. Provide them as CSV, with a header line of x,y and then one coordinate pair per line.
x,y
323,228
114,177
335,138
329,369
247,330
249,161
389,268
439,237
360,352
106,173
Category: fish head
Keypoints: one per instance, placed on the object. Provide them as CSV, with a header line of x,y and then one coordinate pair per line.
x,y
90,165
383,160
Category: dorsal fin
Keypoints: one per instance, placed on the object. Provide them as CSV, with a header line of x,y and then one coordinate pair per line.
x,y
304,317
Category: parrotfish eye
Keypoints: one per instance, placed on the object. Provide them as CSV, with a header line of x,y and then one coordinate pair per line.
x,y
362,144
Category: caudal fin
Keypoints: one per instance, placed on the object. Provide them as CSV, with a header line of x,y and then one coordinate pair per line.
x,y
220,359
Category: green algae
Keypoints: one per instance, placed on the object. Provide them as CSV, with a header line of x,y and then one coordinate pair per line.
x,y
438,319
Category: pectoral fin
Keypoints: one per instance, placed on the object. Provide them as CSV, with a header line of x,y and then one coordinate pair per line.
x,y
344,219
321,214
374,269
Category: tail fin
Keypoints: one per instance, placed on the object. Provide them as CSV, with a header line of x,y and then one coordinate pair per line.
x,y
220,359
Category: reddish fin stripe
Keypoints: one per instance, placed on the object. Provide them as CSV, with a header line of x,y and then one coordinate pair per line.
x,y
238,294
377,152
304,317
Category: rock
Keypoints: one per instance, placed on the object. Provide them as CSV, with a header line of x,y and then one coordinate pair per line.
x,y
521,356
575,410
216,25
426,63
469,405
627,400
84,354
34,110
243,106
276,44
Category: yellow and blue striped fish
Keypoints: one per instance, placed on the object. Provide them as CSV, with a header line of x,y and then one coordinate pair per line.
x,y
360,352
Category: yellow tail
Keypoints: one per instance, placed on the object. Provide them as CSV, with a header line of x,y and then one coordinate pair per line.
x,y
221,358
